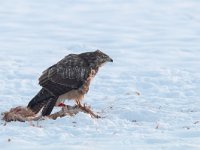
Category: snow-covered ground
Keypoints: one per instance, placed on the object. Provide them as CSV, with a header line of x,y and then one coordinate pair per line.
x,y
156,50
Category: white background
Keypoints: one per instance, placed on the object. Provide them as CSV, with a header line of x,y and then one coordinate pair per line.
x,y
155,46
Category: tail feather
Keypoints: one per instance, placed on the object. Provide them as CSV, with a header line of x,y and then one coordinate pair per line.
x,y
48,107
37,107
40,100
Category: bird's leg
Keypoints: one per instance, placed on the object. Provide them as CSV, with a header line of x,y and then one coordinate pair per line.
x,y
86,109
79,103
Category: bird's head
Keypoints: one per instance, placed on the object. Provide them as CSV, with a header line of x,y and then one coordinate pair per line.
x,y
96,59
101,58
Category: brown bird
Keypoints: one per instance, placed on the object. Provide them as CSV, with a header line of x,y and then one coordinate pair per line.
x,y
68,79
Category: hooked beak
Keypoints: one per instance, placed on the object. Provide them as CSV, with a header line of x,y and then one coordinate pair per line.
x,y
110,60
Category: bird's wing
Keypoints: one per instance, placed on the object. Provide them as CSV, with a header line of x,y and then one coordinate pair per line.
x,y
69,73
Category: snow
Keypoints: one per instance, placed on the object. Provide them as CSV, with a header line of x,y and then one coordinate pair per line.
x,y
149,96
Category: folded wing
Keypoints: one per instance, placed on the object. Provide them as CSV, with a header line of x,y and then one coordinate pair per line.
x,y
68,74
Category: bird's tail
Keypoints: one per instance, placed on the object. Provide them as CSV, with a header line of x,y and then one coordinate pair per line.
x,y
42,99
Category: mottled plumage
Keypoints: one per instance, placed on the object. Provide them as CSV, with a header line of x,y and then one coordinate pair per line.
x,y
68,79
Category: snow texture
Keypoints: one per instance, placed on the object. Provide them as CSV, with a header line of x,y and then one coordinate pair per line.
x,y
149,96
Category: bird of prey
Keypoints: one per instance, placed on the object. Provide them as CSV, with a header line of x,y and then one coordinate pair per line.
x,y
68,79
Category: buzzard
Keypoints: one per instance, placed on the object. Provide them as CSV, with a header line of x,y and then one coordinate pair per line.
x,y
68,79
